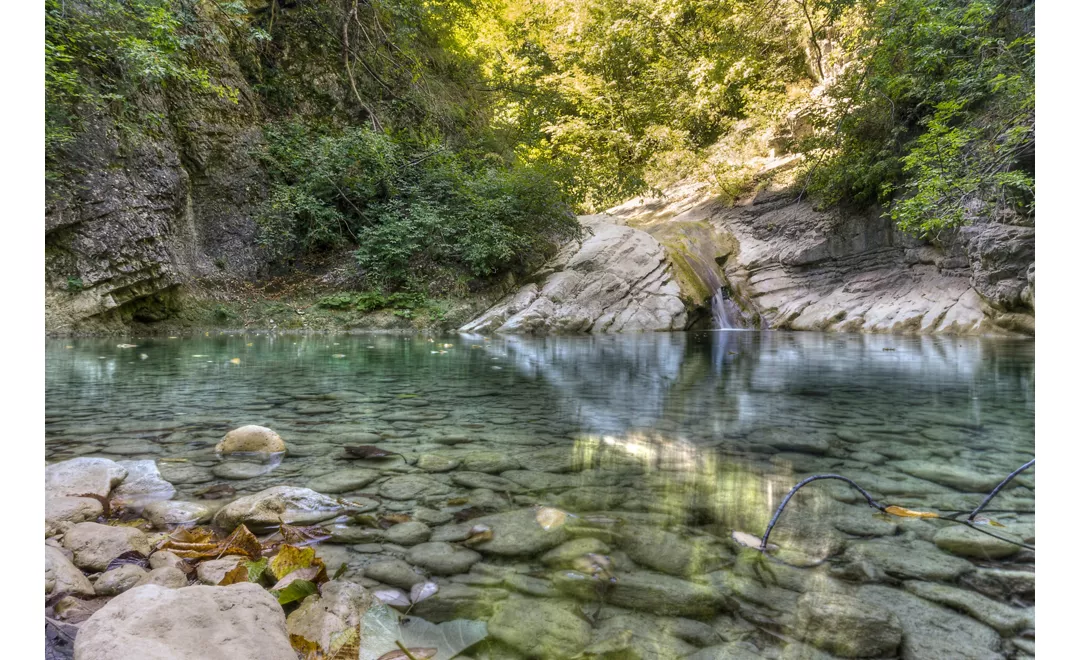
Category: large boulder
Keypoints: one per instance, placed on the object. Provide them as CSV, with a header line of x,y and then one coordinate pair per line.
x,y
289,504
847,627
62,577
617,279
796,267
78,476
95,545
238,622
251,438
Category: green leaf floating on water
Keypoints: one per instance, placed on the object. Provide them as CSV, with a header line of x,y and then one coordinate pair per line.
x,y
382,630
296,590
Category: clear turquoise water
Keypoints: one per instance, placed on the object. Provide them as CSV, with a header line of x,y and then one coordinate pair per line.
x,y
698,433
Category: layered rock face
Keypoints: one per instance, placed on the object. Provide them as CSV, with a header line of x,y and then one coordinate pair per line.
x,y
127,221
616,279
787,266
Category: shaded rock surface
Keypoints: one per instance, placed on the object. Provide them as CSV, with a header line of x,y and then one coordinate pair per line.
x,y
846,626
119,579
61,576
931,631
964,541
95,545
170,513
539,628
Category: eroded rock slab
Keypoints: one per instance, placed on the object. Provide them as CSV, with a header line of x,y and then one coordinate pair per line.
x,y
617,279
237,622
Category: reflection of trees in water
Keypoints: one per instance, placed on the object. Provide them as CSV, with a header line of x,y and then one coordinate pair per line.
x,y
715,384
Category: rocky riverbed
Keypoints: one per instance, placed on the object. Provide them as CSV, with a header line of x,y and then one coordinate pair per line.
x,y
603,530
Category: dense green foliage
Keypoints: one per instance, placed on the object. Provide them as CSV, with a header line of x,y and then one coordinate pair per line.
x,y
446,141
100,54
936,119
624,95
415,215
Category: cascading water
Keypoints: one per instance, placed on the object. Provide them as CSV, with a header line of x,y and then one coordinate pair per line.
x,y
725,314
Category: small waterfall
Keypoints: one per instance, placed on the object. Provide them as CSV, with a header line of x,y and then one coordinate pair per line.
x,y
725,313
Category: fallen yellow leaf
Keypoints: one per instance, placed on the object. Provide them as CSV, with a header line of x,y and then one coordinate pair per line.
x,y
908,513
235,360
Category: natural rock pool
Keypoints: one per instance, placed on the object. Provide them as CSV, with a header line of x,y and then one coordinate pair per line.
x,y
658,446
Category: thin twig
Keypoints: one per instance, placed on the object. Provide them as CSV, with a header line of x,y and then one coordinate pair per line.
x,y
996,490
404,650
780,509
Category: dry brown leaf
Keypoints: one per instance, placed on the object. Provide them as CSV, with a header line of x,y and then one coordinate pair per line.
x,y
241,542
239,573
479,534
344,645
303,535
310,650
